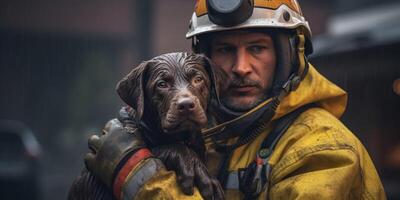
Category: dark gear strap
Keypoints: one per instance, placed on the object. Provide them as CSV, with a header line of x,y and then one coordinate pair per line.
x,y
253,179
254,131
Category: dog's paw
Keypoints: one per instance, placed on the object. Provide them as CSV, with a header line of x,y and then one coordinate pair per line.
x,y
190,170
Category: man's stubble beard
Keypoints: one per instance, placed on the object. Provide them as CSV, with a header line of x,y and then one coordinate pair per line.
x,y
231,103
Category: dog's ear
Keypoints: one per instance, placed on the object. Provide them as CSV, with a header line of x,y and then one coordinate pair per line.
x,y
216,77
131,88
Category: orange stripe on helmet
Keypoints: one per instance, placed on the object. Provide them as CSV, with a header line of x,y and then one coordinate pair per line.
x,y
274,4
201,8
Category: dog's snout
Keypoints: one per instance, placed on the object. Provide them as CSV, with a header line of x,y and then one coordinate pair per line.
x,y
185,104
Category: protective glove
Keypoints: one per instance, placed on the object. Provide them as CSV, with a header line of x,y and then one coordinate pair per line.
x,y
190,170
111,150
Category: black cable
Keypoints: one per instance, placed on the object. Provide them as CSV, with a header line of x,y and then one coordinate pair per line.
x,y
255,131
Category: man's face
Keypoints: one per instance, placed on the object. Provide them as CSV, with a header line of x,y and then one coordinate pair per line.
x,y
249,60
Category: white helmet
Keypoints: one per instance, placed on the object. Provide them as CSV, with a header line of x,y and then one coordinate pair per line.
x,y
219,15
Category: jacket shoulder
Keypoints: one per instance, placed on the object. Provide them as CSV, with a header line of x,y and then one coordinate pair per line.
x,y
318,127
318,150
315,130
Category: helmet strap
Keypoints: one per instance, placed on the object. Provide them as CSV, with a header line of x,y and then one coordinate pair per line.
x,y
301,60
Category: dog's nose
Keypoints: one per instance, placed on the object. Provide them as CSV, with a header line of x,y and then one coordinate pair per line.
x,y
185,104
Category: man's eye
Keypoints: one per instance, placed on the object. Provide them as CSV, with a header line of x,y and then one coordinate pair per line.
x,y
257,48
162,84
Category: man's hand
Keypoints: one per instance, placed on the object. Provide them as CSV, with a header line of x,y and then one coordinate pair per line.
x,y
190,170
110,149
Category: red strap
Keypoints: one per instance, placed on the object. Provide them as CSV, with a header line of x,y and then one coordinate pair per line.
x,y
259,161
140,155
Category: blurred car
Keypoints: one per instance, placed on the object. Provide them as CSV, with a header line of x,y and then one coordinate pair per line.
x,y
19,153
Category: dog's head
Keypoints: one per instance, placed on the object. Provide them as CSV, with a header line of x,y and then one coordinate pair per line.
x,y
171,92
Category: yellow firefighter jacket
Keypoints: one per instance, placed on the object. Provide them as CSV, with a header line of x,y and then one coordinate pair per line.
x,y
317,157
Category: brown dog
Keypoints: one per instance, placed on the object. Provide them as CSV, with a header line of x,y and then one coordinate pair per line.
x,y
169,95
177,87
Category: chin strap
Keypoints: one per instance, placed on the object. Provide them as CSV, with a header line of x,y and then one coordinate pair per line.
x,y
303,63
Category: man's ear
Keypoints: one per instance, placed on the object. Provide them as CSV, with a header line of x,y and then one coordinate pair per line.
x,y
131,88
216,77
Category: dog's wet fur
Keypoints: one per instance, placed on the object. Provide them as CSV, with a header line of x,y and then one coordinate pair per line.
x,y
169,95
177,87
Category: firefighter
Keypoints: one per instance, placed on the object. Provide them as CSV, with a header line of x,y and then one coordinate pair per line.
x,y
278,133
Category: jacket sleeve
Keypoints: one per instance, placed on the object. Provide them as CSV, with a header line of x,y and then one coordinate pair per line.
x,y
163,185
150,180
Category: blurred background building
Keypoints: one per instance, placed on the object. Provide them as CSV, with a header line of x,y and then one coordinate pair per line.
x,y
61,59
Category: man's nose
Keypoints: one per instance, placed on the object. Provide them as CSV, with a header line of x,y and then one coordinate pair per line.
x,y
242,66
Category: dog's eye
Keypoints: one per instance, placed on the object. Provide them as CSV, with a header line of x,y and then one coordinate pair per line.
x,y
162,84
197,79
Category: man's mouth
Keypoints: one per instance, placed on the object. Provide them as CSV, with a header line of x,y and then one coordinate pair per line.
x,y
243,89
243,86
